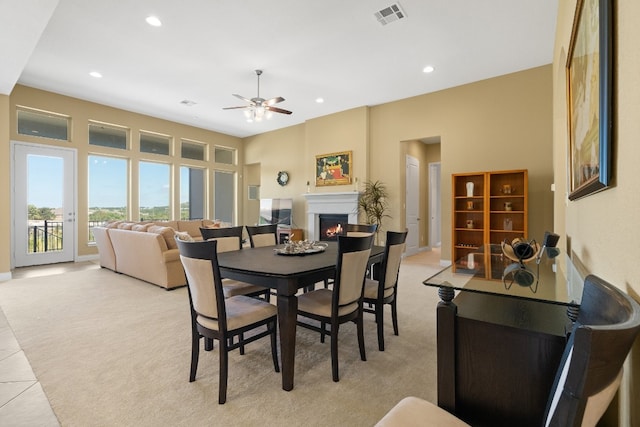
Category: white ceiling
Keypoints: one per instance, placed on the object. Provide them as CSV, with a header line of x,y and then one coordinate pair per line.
x,y
207,50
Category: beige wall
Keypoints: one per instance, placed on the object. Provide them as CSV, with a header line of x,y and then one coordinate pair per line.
x,y
5,190
81,112
603,228
496,124
294,149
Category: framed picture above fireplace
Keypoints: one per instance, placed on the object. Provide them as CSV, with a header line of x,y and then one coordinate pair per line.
x,y
334,168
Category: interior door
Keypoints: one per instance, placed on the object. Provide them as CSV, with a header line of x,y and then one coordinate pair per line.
x,y
435,237
43,198
412,204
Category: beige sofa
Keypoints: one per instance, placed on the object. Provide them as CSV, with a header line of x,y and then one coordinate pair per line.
x,y
146,251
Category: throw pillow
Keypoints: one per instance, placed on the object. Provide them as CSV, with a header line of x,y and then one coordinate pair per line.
x,y
167,233
184,236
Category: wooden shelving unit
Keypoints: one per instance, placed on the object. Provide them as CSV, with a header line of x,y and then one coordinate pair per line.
x,y
488,207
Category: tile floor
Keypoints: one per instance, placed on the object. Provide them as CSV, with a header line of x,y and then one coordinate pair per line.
x,y
22,400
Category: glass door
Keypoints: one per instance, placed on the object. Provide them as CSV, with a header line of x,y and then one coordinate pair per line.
x,y
44,224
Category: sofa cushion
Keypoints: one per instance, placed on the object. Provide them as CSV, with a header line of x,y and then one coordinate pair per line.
x,y
141,227
207,223
126,225
172,224
191,227
167,232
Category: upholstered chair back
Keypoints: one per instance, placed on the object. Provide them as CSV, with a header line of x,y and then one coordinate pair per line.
x,y
590,370
203,279
353,257
263,235
360,230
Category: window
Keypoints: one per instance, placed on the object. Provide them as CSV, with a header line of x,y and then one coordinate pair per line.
x,y
43,124
193,150
192,193
224,202
154,189
107,190
154,143
224,155
107,135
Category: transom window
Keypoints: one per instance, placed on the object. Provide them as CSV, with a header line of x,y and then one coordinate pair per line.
x,y
155,143
43,124
111,136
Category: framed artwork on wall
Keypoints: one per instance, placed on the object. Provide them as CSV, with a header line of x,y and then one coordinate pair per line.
x,y
589,91
334,168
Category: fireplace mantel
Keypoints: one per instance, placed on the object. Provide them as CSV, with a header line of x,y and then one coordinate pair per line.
x,y
329,203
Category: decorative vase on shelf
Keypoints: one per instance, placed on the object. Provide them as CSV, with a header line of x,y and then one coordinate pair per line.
x,y
469,189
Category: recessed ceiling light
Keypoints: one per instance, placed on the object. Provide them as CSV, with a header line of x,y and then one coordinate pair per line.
x,y
428,69
319,100
95,74
154,21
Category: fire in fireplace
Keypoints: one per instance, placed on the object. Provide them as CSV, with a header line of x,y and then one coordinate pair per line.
x,y
332,225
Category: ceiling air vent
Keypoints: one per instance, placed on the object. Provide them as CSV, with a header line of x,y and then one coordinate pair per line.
x,y
390,14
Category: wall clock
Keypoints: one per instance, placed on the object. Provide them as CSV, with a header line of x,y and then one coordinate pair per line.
x,y
283,178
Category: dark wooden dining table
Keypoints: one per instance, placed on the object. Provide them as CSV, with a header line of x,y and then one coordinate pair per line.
x,y
286,274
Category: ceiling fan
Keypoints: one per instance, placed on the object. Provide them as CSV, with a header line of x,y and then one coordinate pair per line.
x,y
259,108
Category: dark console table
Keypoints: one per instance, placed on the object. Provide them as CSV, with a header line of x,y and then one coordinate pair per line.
x,y
500,343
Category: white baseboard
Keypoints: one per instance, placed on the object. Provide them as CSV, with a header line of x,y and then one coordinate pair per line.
x,y
84,258
5,276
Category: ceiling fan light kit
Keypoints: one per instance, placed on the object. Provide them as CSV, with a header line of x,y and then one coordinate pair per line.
x,y
259,108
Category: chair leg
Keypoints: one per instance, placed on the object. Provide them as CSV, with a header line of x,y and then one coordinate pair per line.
x,y
360,327
323,326
274,345
224,372
195,354
208,344
394,315
334,352
380,325
241,338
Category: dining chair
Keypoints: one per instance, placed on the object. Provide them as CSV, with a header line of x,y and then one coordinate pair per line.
x,y
358,230
263,235
383,291
590,370
230,239
355,230
343,303
215,317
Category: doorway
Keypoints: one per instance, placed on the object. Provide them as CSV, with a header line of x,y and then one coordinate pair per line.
x,y
412,209
435,238
44,204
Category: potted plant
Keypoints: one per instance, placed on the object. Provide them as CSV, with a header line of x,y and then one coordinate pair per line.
x,y
373,203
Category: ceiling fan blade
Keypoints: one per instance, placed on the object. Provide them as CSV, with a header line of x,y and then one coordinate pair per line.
x,y
245,107
244,99
277,110
273,100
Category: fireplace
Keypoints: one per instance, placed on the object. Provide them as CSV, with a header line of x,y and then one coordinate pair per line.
x,y
332,225
345,203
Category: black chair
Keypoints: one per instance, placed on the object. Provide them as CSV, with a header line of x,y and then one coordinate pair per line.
x,y
230,239
263,235
590,370
358,230
226,237
215,317
343,303
383,291
355,230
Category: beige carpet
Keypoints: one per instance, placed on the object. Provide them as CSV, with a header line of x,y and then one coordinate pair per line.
x,y
110,350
